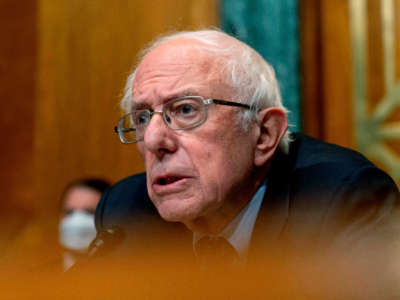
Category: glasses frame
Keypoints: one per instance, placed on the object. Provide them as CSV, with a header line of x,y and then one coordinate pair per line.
x,y
120,130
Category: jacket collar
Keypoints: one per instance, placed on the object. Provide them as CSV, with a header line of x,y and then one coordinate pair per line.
x,y
274,211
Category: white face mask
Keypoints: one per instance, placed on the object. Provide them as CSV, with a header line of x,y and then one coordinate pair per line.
x,y
77,230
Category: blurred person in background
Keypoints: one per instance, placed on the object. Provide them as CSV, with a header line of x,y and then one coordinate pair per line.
x,y
76,227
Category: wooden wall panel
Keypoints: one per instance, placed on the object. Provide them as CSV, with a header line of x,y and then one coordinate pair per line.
x,y
326,70
375,79
17,93
337,78
17,65
350,69
311,68
397,38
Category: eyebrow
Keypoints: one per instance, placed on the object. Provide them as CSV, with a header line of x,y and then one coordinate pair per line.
x,y
137,105
184,93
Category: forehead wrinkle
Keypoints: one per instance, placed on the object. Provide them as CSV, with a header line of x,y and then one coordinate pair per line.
x,y
163,74
154,75
176,87
157,79
142,104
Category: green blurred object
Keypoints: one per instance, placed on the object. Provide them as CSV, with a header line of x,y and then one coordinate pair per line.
x,y
270,27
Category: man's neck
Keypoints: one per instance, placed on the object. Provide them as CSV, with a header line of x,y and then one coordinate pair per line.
x,y
214,223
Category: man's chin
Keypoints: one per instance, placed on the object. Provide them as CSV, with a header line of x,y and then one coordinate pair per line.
x,y
172,216
172,213
176,208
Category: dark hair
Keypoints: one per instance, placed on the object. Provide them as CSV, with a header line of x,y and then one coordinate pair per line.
x,y
97,184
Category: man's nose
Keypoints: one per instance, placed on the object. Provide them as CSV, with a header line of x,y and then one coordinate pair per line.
x,y
158,137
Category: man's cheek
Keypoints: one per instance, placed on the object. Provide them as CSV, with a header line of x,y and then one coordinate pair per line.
x,y
140,148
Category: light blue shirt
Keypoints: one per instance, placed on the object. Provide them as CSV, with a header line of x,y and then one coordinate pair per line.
x,y
239,230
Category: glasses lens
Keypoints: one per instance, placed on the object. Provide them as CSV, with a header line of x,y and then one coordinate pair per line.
x,y
184,113
126,129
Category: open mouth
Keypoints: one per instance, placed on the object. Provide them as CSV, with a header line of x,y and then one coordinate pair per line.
x,y
168,180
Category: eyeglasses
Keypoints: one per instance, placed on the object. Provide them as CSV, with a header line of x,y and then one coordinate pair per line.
x,y
178,114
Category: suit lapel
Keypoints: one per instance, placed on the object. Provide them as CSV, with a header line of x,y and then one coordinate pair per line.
x,y
273,215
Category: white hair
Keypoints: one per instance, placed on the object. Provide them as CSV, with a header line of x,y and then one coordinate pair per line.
x,y
251,78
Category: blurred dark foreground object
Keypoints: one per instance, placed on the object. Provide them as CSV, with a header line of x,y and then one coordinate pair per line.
x,y
106,241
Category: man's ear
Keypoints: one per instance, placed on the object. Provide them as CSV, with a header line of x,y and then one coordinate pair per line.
x,y
272,124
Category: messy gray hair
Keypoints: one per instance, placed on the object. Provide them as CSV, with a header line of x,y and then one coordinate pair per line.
x,y
251,78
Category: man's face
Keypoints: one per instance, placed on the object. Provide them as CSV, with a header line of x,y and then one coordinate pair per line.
x,y
81,199
200,172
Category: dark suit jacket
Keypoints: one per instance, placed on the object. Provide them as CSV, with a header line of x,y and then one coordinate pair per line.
x,y
319,194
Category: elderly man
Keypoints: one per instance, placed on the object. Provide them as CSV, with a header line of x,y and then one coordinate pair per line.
x,y
205,112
